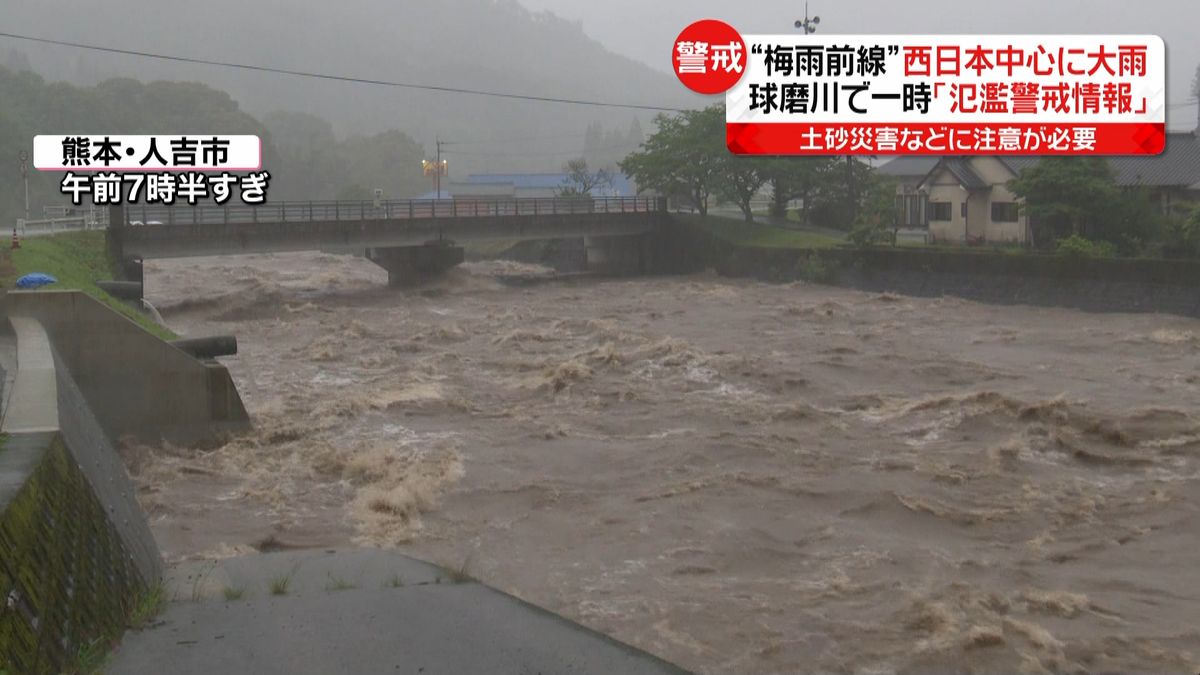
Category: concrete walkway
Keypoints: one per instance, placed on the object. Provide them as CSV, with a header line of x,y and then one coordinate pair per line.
x,y
359,611
33,406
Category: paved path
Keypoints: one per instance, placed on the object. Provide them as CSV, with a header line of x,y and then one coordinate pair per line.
x,y
361,611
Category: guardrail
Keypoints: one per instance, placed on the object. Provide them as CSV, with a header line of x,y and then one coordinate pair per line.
x,y
48,226
323,211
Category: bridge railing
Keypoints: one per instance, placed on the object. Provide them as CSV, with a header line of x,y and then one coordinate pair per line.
x,y
48,226
324,211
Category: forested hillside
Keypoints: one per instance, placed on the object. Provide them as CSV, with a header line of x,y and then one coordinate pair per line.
x,y
495,45
306,161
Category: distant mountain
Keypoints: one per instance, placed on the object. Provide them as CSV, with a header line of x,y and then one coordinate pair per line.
x,y
304,157
480,44
29,106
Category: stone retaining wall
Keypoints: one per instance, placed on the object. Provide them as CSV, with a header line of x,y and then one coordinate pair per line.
x,y
1091,284
76,553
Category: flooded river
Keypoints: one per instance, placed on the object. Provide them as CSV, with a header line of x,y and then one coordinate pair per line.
x,y
735,476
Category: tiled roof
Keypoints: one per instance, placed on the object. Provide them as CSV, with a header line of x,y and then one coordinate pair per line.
x,y
482,189
621,185
523,180
1017,164
1177,166
914,166
960,168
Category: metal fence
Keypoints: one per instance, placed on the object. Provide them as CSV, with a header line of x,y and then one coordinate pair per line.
x,y
325,211
47,226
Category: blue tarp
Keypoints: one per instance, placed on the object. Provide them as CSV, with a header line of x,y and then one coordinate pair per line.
x,y
35,280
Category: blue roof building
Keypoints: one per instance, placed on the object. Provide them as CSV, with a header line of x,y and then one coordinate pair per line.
x,y
500,185
433,194
549,184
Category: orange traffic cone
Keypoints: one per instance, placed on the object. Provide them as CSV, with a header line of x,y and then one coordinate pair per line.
x,y
16,243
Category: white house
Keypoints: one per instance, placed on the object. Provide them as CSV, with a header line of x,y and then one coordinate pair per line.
x,y
966,199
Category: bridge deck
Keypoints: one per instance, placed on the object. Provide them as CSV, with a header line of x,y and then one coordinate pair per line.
x,y
352,211
162,232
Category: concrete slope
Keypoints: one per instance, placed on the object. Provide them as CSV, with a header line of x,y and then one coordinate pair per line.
x,y
33,406
134,383
364,611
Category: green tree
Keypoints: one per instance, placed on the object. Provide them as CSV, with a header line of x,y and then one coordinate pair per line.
x,y
314,163
308,152
843,186
875,222
635,136
800,178
739,179
390,160
354,192
685,155
17,61
1181,235
581,180
29,106
1068,196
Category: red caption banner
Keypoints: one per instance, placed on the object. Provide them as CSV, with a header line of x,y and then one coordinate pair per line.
x,y
931,94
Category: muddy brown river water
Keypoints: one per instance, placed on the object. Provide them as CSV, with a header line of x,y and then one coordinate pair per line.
x,y
735,476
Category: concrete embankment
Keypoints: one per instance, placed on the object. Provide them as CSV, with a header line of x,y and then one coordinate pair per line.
x,y
78,561
1092,284
76,553
137,385
361,611
77,557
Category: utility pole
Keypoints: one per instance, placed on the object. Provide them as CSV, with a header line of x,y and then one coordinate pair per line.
x,y
809,25
24,157
850,190
436,168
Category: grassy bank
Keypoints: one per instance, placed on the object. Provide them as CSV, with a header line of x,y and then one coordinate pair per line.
x,y
78,260
760,235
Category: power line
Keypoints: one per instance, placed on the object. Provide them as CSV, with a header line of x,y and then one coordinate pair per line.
x,y
382,83
537,154
342,78
526,139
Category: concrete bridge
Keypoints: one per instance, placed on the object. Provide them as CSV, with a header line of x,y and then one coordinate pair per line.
x,y
412,239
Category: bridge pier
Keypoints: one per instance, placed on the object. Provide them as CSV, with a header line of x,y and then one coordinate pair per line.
x,y
412,265
618,255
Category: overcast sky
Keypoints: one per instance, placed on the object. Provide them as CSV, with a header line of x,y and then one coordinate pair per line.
x,y
645,30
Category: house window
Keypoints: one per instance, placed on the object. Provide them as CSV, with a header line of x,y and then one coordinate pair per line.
x,y
1005,212
911,210
939,210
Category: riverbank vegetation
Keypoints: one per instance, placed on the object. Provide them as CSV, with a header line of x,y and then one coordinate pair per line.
x,y
77,260
686,159
1075,204
760,235
306,159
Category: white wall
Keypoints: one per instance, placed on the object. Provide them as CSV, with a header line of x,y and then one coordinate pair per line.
x,y
978,223
944,188
997,175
